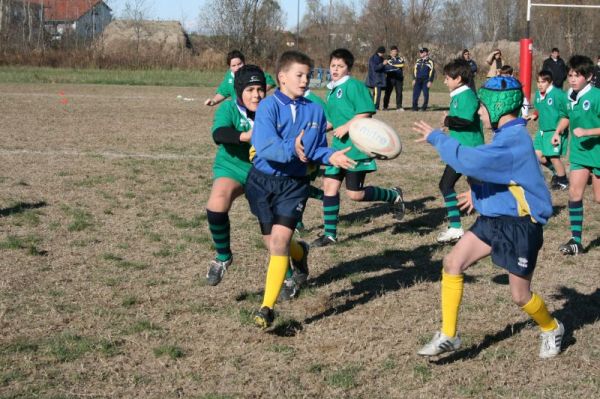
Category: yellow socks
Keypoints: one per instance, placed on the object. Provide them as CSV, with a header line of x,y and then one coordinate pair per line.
x,y
296,250
452,289
536,309
275,275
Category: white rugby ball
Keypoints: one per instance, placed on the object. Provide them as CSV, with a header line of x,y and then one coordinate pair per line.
x,y
375,138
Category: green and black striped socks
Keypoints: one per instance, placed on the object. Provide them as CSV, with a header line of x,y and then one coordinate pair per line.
x,y
452,210
576,219
373,194
218,223
331,214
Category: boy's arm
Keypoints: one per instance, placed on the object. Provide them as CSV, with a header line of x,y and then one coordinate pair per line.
x,y
266,140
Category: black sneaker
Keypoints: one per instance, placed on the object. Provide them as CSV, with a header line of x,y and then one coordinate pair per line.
x,y
289,290
300,267
264,317
216,270
571,248
553,180
398,207
323,241
560,185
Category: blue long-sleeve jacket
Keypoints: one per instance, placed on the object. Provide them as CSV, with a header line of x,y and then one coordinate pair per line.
x,y
278,121
509,179
376,72
424,69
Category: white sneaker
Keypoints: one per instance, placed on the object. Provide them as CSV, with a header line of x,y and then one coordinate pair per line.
x,y
450,234
551,341
439,344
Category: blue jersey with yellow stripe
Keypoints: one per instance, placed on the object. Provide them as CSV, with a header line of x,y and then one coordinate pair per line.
x,y
506,179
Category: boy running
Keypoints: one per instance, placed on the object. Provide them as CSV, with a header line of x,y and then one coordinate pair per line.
x,y
289,132
464,125
549,102
513,202
583,117
347,101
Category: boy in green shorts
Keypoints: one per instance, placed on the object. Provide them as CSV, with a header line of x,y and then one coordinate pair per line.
x,y
508,191
235,60
582,115
464,125
549,103
348,100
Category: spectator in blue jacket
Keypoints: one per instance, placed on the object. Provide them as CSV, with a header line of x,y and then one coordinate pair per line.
x,y
423,76
376,75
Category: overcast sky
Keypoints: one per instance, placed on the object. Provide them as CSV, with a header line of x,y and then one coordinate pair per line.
x,y
187,11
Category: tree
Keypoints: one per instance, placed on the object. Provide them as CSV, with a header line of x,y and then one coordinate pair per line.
x,y
136,11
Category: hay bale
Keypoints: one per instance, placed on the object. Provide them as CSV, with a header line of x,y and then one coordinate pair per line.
x,y
150,37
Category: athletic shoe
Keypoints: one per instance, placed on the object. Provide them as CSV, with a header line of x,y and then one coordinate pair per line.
x,y
560,186
300,267
440,344
400,109
289,290
398,207
551,341
264,317
216,270
450,234
571,248
553,180
323,241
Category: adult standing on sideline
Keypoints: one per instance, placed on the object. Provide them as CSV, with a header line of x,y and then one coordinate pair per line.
x,y
376,75
423,76
557,68
495,61
596,78
394,79
473,65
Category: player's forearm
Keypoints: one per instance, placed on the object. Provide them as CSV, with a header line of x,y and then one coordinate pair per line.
x,y
563,124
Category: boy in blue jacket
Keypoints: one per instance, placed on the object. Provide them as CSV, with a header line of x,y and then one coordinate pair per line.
x,y
508,191
288,133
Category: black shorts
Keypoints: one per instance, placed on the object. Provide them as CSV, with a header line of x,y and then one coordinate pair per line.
x,y
276,199
355,181
515,241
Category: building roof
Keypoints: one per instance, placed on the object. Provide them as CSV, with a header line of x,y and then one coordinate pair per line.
x,y
66,10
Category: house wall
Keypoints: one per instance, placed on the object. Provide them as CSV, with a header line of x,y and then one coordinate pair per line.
x,y
92,23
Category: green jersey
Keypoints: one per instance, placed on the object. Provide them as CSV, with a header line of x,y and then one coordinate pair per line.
x,y
227,90
232,160
549,107
584,112
347,98
464,105
309,95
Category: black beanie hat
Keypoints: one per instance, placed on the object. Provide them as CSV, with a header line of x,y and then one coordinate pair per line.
x,y
248,75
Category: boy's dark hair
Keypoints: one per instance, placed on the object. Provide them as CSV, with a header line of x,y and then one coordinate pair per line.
x,y
506,70
393,48
235,54
343,54
545,75
465,51
459,67
555,49
288,58
582,65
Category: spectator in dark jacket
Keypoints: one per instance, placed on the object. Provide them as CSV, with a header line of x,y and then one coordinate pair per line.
x,y
557,68
596,78
423,76
394,78
473,65
376,75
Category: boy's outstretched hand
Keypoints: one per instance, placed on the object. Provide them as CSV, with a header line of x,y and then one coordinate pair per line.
x,y
300,147
423,128
340,160
465,202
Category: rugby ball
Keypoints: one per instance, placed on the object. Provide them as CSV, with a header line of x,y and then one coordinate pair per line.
x,y
375,138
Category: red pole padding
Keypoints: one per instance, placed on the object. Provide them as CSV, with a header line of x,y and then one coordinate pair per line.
x,y
525,67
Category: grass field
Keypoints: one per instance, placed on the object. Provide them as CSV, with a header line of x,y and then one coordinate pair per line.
x,y
104,247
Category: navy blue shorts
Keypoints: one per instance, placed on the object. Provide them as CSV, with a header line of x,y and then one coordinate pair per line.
x,y
276,199
515,241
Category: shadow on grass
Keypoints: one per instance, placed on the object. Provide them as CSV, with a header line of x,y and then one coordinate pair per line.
x,y
578,311
557,209
363,291
21,207
593,244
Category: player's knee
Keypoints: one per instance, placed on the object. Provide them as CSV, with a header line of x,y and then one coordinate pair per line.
x,y
452,265
278,245
355,195
520,298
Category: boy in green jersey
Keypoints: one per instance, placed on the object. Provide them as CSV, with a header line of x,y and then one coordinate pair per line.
x,y
235,60
349,100
464,125
549,102
582,115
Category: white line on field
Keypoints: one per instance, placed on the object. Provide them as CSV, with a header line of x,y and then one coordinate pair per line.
x,y
105,154
68,95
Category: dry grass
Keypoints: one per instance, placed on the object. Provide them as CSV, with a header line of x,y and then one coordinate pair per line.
x,y
104,247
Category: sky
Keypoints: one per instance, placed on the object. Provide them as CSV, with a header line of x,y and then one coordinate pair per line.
x,y
187,11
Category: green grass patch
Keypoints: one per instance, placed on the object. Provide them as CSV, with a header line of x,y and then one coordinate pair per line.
x,y
183,223
143,326
123,263
91,181
344,378
19,345
68,347
422,372
81,220
172,351
148,77
29,243
129,302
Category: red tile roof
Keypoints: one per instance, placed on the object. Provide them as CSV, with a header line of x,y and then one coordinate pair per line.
x,y
65,10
